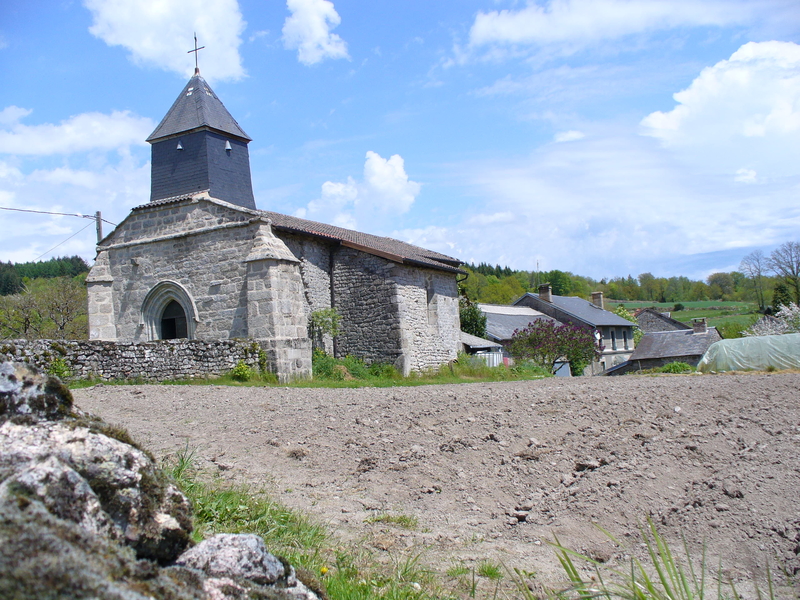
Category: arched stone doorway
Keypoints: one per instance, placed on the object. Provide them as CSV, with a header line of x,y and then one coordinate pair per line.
x,y
168,313
173,322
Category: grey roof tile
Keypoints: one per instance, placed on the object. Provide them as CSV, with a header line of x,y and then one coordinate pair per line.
x,y
197,107
680,342
389,248
585,311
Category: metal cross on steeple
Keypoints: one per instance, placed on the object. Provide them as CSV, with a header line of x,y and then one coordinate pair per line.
x,y
196,51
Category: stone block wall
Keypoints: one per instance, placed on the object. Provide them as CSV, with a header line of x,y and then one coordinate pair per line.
x,y
161,360
208,266
427,302
366,297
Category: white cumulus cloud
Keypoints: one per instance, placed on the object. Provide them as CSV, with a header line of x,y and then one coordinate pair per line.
x,y
384,192
87,131
568,136
582,22
745,176
160,32
308,30
744,110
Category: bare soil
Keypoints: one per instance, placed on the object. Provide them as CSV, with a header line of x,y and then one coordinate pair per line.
x,y
495,470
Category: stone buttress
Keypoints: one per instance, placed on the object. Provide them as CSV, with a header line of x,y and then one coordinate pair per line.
x,y
277,313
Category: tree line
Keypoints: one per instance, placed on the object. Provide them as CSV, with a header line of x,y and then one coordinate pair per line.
x,y
44,300
13,276
770,281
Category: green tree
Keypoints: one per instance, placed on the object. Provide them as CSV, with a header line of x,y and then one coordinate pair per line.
x,y
10,281
784,261
720,286
46,309
473,321
781,296
560,282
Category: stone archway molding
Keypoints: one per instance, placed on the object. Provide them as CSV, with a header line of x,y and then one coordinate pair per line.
x,y
156,301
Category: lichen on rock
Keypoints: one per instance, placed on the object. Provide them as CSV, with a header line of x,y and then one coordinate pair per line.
x,y
88,515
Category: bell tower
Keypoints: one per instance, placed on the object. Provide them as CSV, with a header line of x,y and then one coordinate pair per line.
x,y
199,146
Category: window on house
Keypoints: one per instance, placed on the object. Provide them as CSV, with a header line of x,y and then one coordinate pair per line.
x,y
613,340
625,339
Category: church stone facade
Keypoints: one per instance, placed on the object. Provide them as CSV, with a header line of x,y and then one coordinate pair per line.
x,y
199,261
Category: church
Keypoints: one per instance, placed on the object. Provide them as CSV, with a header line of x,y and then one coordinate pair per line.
x,y
199,261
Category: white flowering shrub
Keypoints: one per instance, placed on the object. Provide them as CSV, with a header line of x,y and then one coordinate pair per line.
x,y
786,320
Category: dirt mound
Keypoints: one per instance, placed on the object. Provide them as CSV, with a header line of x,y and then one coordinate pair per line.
x,y
493,471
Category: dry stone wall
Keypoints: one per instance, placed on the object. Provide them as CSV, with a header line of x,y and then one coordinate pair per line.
x,y
366,297
151,361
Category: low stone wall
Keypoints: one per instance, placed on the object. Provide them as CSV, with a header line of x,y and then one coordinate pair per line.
x,y
154,361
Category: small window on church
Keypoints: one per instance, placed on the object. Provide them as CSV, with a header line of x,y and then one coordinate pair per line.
x,y
173,322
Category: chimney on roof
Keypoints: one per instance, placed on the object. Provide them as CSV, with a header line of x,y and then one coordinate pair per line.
x,y
597,300
699,325
546,292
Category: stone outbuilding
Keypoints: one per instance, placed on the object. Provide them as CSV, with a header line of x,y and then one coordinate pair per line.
x,y
200,261
658,348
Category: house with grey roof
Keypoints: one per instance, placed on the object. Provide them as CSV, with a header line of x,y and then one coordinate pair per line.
x,y
658,348
502,321
614,332
201,261
650,319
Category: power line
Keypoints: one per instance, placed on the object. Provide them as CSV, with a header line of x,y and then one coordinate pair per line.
x,y
64,242
45,212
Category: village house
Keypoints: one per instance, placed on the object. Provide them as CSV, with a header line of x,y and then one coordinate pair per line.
x,y
658,348
200,261
613,332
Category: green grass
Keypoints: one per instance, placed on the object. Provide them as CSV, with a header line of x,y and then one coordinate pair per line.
x,y
345,572
351,571
663,575
404,521
730,318
350,372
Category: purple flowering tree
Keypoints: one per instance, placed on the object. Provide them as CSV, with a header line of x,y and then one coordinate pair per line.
x,y
545,342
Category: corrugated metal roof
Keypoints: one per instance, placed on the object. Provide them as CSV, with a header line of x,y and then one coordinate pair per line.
x,y
473,341
665,344
197,107
503,309
502,327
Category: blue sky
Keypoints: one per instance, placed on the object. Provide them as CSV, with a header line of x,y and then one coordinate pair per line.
x,y
602,137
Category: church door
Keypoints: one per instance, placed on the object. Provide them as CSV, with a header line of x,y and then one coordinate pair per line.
x,y
173,322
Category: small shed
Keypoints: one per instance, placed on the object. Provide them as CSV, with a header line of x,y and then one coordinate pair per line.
x,y
491,352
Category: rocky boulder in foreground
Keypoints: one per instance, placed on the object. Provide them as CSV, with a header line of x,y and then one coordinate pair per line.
x,y
85,513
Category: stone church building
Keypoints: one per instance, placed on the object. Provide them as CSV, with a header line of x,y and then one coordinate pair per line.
x,y
200,261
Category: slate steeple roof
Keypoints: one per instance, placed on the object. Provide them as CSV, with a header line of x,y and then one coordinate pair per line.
x,y
197,107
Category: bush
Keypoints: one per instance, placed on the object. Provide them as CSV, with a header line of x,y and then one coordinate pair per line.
x,y
241,372
545,344
384,371
678,307
676,367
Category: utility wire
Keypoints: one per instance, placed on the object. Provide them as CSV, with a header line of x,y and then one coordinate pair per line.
x,y
45,212
64,242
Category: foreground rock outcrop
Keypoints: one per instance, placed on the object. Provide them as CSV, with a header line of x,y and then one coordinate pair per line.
x,y
85,513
